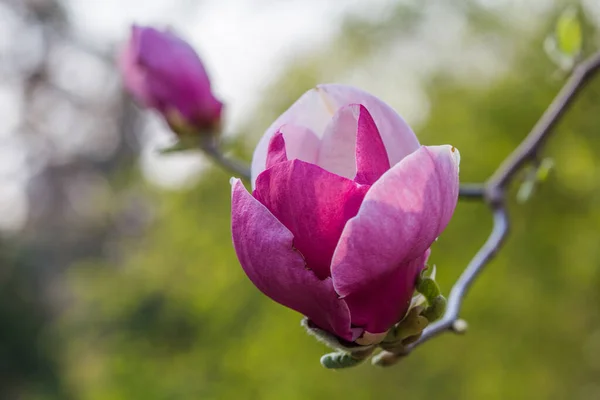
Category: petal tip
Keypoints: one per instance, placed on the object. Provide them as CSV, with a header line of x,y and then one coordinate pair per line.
x,y
236,185
455,156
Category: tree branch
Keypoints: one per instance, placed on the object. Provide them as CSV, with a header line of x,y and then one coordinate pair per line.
x,y
231,164
472,191
529,147
494,194
484,255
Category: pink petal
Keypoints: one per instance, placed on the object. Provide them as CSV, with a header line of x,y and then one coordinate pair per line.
x,y
386,300
371,157
133,75
175,75
314,109
277,151
338,145
310,112
267,254
300,143
397,136
352,147
313,204
400,217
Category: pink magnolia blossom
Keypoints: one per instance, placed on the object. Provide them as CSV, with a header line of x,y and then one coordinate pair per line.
x,y
164,72
345,206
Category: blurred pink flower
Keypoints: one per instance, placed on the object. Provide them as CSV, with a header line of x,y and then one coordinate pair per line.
x,y
164,72
345,206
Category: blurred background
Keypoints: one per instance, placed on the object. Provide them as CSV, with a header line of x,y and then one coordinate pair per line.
x,y
118,279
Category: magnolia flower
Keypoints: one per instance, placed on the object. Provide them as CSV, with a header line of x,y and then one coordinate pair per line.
x,y
345,206
164,72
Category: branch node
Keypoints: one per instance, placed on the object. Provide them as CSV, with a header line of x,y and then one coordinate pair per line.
x,y
460,326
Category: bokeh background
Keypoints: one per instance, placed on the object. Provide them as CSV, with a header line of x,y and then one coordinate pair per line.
x,y
118,279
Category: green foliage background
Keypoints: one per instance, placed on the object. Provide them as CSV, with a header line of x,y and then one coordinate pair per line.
x,y
178,319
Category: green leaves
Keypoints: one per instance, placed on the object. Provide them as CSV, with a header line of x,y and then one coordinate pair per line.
x,y
564,45
535,174
183,144
568,32
340,360
428,287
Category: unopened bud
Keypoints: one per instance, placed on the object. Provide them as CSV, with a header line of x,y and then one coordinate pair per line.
x,y
163,72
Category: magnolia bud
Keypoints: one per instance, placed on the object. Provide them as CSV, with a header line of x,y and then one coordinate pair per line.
x,y
164,72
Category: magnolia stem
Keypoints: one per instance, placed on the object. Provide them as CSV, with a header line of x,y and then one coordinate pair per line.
x,y
534,141
472,191
457,294
493,192
229,163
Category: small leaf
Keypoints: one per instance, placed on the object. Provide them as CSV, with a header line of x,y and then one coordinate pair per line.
x,y
534,176
525,191
563,61
568,32
386,359
428,287
544,169
340,360
412,324
183,144
436,309
172,149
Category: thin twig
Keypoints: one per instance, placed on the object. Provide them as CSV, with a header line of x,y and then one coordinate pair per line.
x,y
529,147
484,255
494,192
474,191
235,166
